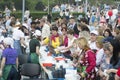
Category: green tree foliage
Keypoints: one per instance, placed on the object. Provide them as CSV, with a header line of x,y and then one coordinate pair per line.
x,y
39,6
31,4
98,2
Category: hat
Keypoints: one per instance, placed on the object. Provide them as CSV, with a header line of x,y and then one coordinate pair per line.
x,y
1,38
37,33
94,32
8,41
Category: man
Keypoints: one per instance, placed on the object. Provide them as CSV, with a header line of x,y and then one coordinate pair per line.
x,y
73,25
45,29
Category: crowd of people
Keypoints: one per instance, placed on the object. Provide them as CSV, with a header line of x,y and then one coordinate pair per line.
x,y
91,42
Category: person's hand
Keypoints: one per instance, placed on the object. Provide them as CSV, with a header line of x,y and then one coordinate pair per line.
x,y
1,46
83,74
4,31
108,71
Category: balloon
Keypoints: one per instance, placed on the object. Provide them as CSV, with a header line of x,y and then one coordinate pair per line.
x,y
110,13
115,11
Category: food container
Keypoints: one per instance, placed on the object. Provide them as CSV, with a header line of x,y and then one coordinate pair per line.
x,y
47,64
59,58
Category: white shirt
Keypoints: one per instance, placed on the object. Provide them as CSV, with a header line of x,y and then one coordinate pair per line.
x,y
99,56
70,43
17,34
93,45
27,13
45,31
7,24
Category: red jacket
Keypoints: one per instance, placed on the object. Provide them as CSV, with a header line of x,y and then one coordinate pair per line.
x,y
91,60
118,72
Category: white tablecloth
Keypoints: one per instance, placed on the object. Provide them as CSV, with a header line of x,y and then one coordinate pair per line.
x,y
50,59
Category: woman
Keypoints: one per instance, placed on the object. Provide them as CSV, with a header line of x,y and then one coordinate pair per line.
x,y
54,41
9,63
68,49
64,35
84,31
34,45
106,65
108,35
115,59
55,38
87,61
100,52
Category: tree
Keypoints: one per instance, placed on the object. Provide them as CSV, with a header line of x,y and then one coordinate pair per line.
x,y
96,2
39,6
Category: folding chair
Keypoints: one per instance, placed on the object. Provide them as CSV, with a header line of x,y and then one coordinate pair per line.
x,y
22,59
30,70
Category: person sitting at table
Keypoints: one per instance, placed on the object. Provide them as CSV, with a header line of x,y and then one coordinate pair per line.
x,y
55,40
34,45
9,63
87,61
64,35
69,49
76,51
105,65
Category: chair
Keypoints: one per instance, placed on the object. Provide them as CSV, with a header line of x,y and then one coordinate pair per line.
x,y
22,59
30,70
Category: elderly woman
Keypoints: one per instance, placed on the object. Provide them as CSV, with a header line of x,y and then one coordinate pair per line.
x,y
34,45
105,65
9,63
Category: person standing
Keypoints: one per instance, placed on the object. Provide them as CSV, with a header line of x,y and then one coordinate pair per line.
x,y
27,13
18,36
9,63
7,12
34,45
45,29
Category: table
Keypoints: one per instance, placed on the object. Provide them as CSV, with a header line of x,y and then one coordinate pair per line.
x,y
51,59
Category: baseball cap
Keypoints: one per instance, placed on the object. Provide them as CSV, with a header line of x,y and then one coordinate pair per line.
x,y
37,33
94,32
